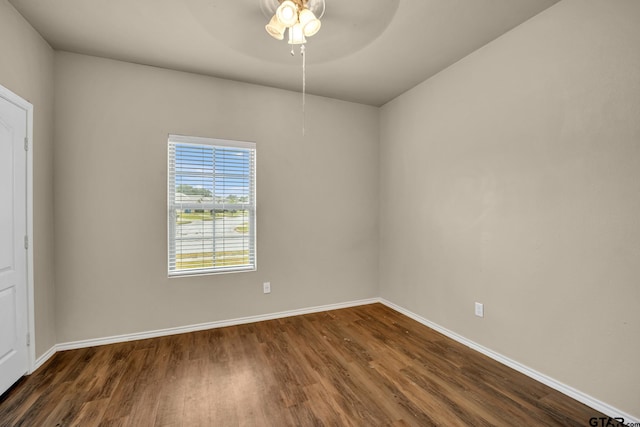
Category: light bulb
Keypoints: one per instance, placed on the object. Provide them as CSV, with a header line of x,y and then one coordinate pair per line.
x,y
287,13
275,28
310,24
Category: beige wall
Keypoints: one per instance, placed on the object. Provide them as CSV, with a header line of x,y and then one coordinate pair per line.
x,y
317,197
513,178
26,68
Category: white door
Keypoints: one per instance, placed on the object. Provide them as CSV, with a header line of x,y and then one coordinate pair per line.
x,y
14,356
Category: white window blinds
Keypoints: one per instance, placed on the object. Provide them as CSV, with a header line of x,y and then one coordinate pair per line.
x,y
211,204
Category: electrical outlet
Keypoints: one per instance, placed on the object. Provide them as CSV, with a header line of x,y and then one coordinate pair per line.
x,y
479,309
266,287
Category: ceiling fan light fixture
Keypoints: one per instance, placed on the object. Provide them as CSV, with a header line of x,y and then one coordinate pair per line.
x,y
287,13
310,24
301,17
275,28
296,35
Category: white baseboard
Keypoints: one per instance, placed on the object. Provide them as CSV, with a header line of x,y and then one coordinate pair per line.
x,y
532,373
209,325
43,358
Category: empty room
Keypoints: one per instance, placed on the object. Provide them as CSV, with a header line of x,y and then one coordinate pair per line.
x,y
319,212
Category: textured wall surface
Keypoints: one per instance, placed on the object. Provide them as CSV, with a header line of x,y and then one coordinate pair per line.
x,y
513,179
317,197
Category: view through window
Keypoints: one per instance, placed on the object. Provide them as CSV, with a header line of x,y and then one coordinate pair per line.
x,y
211,203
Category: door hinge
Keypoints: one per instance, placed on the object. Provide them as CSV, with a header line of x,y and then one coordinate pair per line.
x,y
26,143
26,242
28,339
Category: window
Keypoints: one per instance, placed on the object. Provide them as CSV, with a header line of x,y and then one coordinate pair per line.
x,y
212,206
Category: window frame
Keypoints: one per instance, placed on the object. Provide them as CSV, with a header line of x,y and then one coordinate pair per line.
x,y
196,141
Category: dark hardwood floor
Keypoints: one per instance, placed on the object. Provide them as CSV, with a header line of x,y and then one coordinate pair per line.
x,y
362,366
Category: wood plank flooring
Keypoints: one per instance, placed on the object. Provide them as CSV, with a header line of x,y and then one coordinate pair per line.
x,y
362,366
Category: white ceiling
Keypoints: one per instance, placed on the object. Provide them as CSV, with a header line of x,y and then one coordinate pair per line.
x,y
367,51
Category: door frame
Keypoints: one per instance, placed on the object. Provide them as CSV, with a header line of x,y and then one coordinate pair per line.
x,y
28,108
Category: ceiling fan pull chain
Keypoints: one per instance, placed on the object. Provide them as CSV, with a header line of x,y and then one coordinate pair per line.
x,y
304,86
